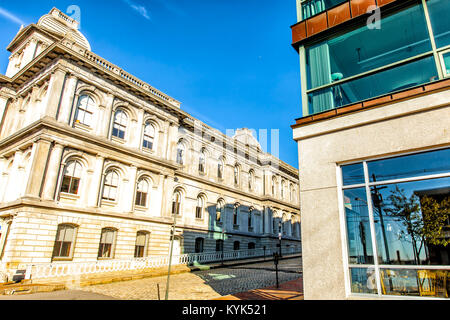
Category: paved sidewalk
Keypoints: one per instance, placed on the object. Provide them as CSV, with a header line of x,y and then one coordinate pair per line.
x,y
292,290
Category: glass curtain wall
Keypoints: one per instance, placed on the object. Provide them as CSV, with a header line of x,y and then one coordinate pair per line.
x,y
397,214
368,62
312,7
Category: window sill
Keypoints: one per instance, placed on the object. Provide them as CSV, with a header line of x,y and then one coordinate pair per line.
x,y
109,203
118,140
82,126
235,227
56,259
140,208
149,151
69,196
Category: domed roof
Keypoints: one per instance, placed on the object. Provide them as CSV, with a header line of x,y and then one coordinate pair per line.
x,y
59,23
246,137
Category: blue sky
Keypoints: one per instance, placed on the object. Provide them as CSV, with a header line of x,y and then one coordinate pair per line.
x,y
229,62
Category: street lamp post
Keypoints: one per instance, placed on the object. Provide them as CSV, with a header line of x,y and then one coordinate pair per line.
x,y
279,237
172,235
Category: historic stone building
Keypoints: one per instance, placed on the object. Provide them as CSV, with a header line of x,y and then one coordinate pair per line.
x,y
95,164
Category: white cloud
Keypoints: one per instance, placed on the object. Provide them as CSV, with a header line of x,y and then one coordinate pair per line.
x,y
138,8
11,17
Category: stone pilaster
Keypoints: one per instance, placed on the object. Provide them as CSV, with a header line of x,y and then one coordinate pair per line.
x,y
69,100
41,149
55,91
96,180
53,171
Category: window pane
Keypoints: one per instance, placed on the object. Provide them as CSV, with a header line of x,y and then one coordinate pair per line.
x,y
439,12
446,57
384,82
358,227
415,165
411,222
425,283
363,280
403,35
353,174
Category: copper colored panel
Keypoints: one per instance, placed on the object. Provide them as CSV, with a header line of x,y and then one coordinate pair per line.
x,y
324,115
299,32
316,24
437,85
408,93
350,108
376,101
339,14
360,7
383,2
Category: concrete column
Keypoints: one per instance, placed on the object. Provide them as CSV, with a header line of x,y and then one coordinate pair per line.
x,y
13,185
171,141
54,92
52,173
41,150
137,128
95,187
68,101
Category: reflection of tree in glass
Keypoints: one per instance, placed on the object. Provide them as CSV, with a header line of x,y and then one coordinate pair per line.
x,y
424,219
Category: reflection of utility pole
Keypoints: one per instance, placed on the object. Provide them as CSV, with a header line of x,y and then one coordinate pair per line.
x,y
362,233
172,239
377,200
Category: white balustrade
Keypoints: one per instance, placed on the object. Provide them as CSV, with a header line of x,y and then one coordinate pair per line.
x,y
64,269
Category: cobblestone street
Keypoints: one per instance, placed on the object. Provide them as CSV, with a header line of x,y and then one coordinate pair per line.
x,y
203,285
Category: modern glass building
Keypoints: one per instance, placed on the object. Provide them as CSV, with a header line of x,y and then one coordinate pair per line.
x,y
374,147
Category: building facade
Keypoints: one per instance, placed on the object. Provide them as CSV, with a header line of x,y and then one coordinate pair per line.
x,y
95,164
373,145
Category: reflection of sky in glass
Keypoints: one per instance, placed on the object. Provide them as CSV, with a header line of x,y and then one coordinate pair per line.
x,y
353,174
358,227
410,166
399,241
363,280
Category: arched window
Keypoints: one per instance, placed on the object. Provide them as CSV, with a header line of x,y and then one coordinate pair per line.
x,y
200,207
120,124
71,178
111,186
220,210
149,136
85,110
251,180
176,202
282,189
250,221
202,161
199,244
236,174
220,167
107,243
141,248
142,191
236,245
291,192
251,246
235,214
65,240
180,153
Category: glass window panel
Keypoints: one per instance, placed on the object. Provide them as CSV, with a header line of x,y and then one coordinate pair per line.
x,y
363,280
403,35
416,165
313,7
358,226
384,82
439,12
353,174
446,57
411,222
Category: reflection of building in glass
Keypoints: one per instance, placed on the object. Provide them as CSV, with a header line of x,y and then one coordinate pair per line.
x,y
371,95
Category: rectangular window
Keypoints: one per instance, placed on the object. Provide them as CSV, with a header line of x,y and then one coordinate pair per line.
x,y
107,242
63,243
366,50
141,245
406,200
377,84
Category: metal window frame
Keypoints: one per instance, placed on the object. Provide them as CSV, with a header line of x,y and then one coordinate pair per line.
x,y
376,265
